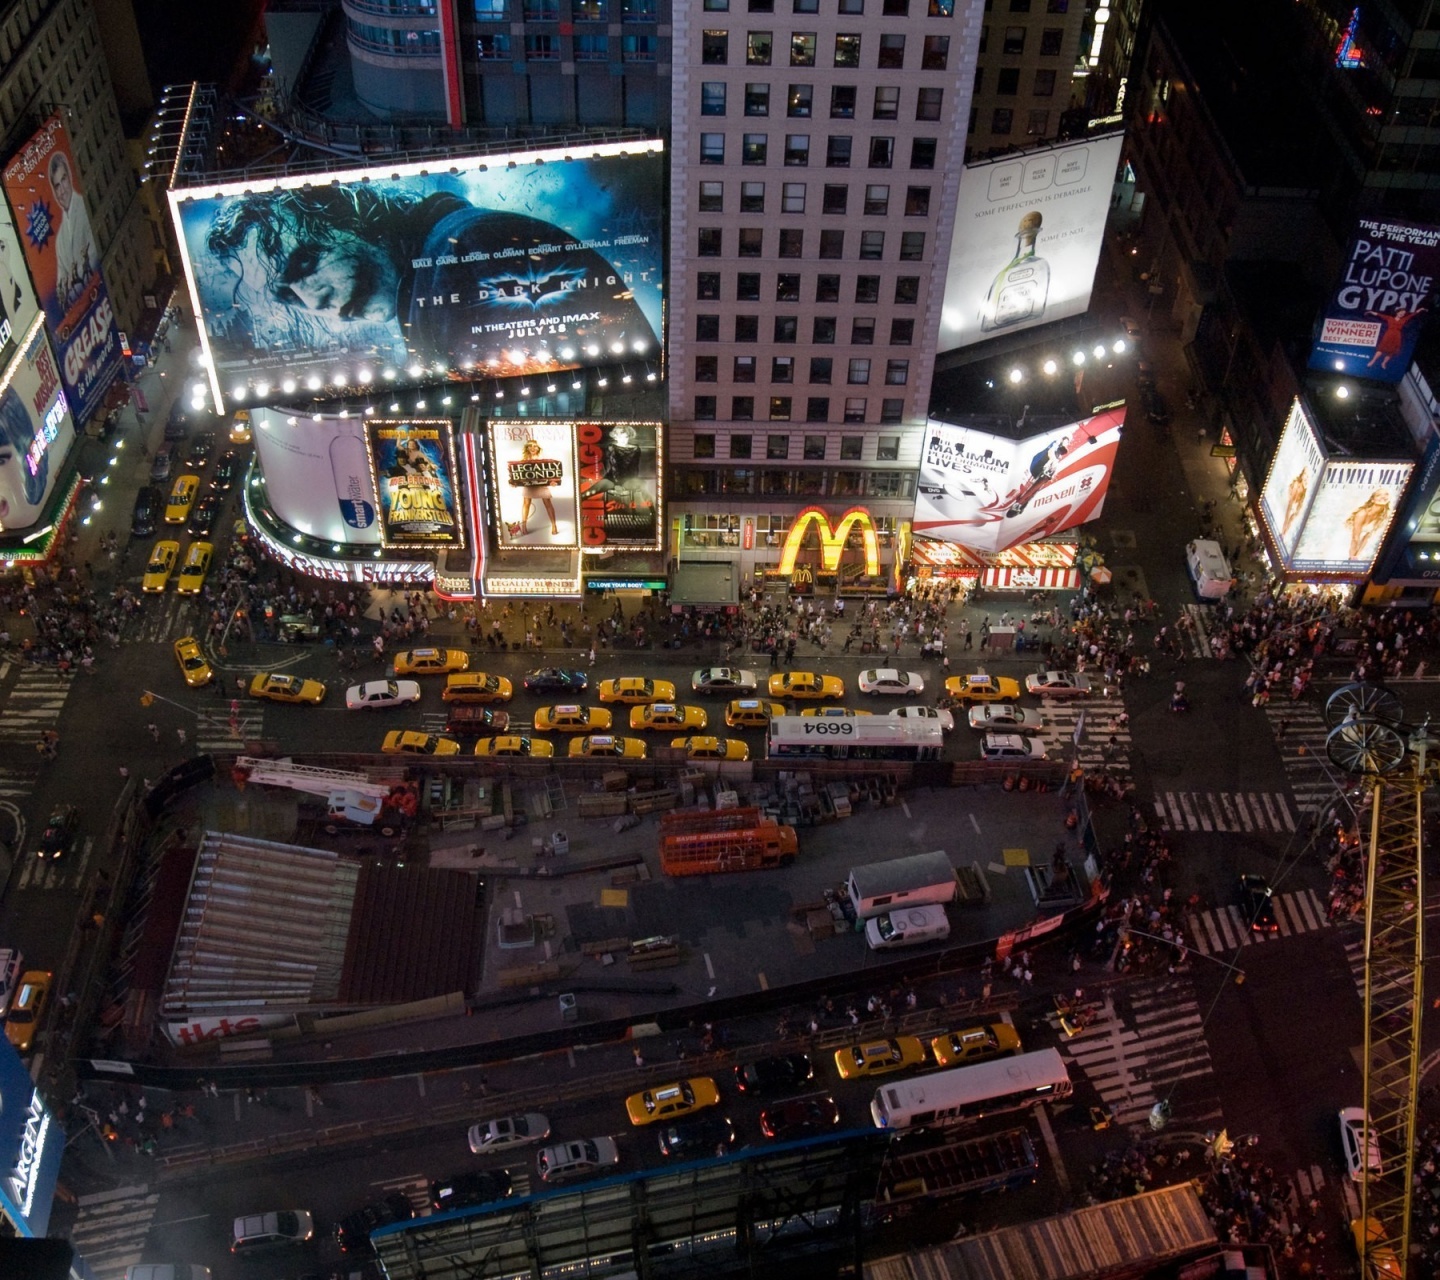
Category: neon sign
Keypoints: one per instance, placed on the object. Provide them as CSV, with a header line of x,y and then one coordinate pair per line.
x,y
1349,56
24,1177
832,539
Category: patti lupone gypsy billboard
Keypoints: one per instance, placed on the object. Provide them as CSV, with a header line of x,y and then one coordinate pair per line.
x,y
988,492
492,265
43,187
412,464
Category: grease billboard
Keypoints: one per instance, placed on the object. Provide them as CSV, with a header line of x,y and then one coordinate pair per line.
x,y
412,464
989,492
493,265
43,186
1028,231
1290,487
1371,324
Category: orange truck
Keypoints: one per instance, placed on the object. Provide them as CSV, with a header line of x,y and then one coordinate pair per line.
x,y
698,842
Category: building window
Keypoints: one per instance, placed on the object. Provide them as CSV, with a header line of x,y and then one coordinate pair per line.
x,y
707,286
882,152
754,147
1039,124
837,196
712,98
935,55
862,332
704,442
715,48
827,288
752,196
787,287
855,408
887,102
1014,44
542,10
837,151
752,240
917,202
907,289
787,328
1002,120
707,328
867,289
716,6
777,448
707,368
817,409
779,408
747,328
740,444
852,6
757,99
814,449
902,333
710,242
782,370
887,449
806,6
704,412
757,48
489,10
792,242
877,199
492,48
824,330
1008,83
1057,6
851,447
743,369
942,8
832,244
761,6
847,50
799,99
892,410
747,286
712,197
872,246
922,153
928,104
638,48
1019,6
638,10
912,246
797,149
1044,84
897,373
820,370
712,148
592,48
858,373
892,52
1050,41
842,102
802,48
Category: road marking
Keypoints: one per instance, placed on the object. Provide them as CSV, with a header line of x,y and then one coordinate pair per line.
x,y
1056,1163
764,982
709,967
905,808
974,824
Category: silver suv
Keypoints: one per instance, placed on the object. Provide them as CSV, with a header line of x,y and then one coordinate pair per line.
x,y
1011,746
568,1160
265,1230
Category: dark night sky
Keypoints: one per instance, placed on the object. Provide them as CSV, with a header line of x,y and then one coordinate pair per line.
x,y
187,41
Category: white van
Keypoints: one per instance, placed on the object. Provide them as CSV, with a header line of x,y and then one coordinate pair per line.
x,y
907,927
1208,568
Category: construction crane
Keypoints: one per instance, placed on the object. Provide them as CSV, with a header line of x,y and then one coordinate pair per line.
x,y
1368,737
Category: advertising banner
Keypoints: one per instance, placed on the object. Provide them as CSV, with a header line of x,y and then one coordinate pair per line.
x,y
988,492
1027,240
1371,324
533,468
18,304
413,467
1350,516
31,1144
619,485
36,432
500,264
43,186
1290,487
317,475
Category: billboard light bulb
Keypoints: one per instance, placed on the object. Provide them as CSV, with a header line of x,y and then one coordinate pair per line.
x,y
567,353
1079,358
515,357
288,386
1099,351
617,348
602,382
640,346
593,349
651,376
1119,348
446,400
240,392
415,370
313,382
576,385
364,377
291,421
474,398
419,404
262,389
1016,376
1339,366
1342,392
499,395
395,407
389,375
1050,367
627,379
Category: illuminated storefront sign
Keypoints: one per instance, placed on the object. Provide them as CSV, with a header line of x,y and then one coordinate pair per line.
x,y
500,584
625,584
832,539
195,1031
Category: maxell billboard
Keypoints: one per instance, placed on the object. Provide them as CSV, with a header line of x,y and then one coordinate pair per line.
x,y
43,186
1371,324
1028,231
493,265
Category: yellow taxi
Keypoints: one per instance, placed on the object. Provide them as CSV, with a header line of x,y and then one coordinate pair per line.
x,y
671,1101
515,745
282,688
477,686
411,742
751,713
196,566
982,687
1383,1259
713,748
570,718
240,427
667,715
806,684
879,1057
834,713
162,564
192,662
605,744
27,1006
636,690
181,499
431,662
959,1048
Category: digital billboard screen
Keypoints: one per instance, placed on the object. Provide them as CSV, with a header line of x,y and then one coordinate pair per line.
x,y
532,465
1352,511
317,475
619,466
989,492
1371,324
18,304
1290,487
413,467
468,266
36,432
43,185
1028,231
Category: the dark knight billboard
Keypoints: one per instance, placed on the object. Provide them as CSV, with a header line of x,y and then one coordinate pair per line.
x,y
463,267
1371,324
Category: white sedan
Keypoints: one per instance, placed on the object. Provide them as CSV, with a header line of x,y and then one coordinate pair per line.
x,y
508,1131
1058,684
989,716
1352,1126
904,684
377,695
938,714
724,680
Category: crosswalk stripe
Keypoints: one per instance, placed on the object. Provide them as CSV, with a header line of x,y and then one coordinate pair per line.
x,y
112,1227
1225,928
1225,811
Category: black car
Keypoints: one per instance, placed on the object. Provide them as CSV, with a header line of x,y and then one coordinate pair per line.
x,y
1155,407
226,470
204,514
556,680
704,1135
1257,901
352,1232
177,425
770,1075
202,448
58,838
481,1187
800,1117
146,513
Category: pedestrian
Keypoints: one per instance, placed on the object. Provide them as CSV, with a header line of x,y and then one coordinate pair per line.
x,y
154,731
180,733
1280,729
639,1057
483,1084
592,655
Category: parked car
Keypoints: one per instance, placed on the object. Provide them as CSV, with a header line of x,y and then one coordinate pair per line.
x,y
569,1160
200,450
177,425
1155,407
508,1131
226,471
204,514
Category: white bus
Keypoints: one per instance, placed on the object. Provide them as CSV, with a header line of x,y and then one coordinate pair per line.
x,y
853,738
968,1093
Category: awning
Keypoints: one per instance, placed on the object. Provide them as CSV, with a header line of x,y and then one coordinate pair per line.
x,y
1018,578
